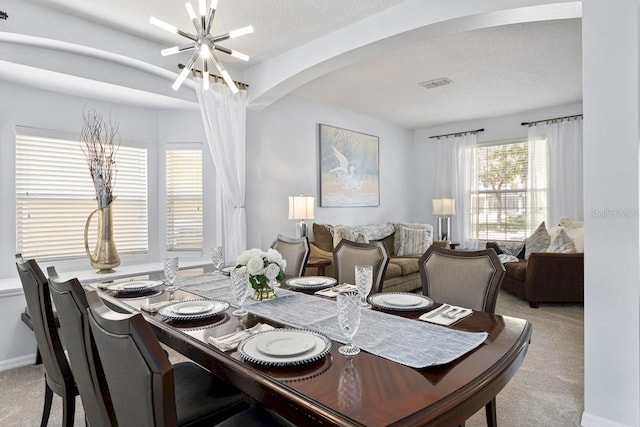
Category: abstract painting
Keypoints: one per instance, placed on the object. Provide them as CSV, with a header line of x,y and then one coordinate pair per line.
x,y
349,168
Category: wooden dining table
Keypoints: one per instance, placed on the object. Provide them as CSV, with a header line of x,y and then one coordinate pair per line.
x,y
365,390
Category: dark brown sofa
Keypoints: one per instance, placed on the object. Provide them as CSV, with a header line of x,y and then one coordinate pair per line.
x,y
545,277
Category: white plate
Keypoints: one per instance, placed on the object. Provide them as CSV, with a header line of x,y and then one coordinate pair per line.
x,y
311,282
400,301
284,347
134,286
193,309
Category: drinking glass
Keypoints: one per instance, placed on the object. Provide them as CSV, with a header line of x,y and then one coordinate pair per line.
x,y
170,265
364,281
240,285
217,258
348,319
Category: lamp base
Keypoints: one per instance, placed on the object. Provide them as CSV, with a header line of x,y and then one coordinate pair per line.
x,y
301,229
444,228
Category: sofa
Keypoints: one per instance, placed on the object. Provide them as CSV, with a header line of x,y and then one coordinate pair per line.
x,y
543,276
410,240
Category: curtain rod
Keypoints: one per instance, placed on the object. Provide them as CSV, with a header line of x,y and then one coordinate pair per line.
x,y
556,119
457,133
194,71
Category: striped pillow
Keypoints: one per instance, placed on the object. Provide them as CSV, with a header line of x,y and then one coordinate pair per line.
x,y
562,244
412,239
537,242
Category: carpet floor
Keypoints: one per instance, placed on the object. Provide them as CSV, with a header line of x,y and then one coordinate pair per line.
x,y
546,391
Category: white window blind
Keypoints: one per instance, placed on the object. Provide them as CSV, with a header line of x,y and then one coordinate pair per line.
x,y
184,199
504,191
55,195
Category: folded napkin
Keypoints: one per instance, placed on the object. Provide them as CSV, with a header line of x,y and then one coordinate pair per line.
x,y
153,308
335,290
231,341
440,316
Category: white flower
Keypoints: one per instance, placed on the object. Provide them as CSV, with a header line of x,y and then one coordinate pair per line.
x,y
241,269
243,258
256,252
274,256
255,265
272,271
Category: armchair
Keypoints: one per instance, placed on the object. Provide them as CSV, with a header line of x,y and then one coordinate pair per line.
x,y
545,277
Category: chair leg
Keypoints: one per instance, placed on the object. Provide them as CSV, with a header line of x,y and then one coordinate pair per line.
x,y
68,408
490,409
46,410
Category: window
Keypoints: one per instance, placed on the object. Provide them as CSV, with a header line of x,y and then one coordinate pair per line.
x,y
55,195
184,199
503,201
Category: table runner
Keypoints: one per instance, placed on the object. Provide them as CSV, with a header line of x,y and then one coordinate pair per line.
x,y
410,342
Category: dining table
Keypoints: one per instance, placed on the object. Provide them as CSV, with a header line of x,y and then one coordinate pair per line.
x,y
407,373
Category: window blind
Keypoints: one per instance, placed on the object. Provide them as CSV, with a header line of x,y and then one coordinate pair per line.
x,y
184,199
55,195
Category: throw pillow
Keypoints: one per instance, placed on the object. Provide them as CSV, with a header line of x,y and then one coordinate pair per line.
x,y
537,242
412,239
577,235
375,231
322,237
511,248
343,232
562,244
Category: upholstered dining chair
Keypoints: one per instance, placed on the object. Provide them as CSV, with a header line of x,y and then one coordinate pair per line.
x,y
348,254
468,279
58,376
295,251
146,390
71,303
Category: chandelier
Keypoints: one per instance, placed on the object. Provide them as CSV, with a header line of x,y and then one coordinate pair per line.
x,y
203,43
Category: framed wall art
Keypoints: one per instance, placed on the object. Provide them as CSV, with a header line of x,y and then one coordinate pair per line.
x,y
349,168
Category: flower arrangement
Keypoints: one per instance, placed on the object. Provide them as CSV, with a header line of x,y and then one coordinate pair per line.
x,y
264,269
101,143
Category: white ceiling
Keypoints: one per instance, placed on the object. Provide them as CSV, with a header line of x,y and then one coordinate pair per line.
x,y
495,71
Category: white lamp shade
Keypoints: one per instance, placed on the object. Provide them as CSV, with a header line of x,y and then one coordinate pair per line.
x,y
301,207
444,207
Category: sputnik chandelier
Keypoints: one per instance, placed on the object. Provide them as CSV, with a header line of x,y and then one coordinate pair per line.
x,y
203,43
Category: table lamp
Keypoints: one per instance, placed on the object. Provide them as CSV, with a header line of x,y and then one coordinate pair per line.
x,y
444,208
301,209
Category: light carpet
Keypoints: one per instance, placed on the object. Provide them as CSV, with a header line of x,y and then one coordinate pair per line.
x,y
546,391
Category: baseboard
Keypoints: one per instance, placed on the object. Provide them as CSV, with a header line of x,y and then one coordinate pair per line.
x,y
589,420
17,362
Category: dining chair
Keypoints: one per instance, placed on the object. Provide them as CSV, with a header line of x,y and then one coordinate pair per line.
x,y
468,279
348,254
295,251
146,390
71,302
58,376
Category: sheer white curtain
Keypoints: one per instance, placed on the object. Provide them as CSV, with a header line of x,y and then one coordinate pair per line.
x,y
224,119
555,165
456,178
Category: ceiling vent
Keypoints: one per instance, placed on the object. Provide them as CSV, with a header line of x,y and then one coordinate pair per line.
x,y
430,84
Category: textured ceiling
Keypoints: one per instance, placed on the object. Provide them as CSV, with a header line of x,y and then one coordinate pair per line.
x,y
495,71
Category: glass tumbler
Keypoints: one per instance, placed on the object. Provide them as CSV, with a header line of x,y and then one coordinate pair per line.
x,y
348,306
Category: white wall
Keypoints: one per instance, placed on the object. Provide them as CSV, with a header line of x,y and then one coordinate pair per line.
x,y
612,233
282,160
495,129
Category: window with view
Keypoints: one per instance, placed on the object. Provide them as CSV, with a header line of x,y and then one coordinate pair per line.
x,y
184,199
55,195
503,198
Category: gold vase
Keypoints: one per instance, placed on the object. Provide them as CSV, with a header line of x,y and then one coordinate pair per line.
x,y
105,256
264,293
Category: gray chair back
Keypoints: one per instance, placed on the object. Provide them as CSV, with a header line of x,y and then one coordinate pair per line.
x,y
71,303
36,292
295,251
348,254
469,279
137,370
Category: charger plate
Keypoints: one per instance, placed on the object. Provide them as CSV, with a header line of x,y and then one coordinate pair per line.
x,y
134,286
311,282
285,347
400,301
193,309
